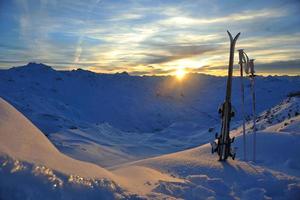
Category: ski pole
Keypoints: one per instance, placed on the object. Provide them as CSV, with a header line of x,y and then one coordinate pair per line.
x,y
251,63
241,62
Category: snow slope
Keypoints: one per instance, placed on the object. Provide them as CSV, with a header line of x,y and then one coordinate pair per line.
x,y
274,175
19,136
285,110
109,119
31,167
280,128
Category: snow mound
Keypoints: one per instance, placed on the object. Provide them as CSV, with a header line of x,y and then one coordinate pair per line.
x,y
205,177
23,180
32,168
21,140
27,154
274,175
275,150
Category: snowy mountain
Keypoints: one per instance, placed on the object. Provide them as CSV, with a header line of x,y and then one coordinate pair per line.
x,y
122,100
32,168
109,119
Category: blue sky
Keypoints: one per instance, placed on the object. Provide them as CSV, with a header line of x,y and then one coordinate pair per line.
x,y
149,36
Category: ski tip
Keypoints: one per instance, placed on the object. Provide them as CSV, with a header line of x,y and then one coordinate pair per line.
x,y
228,32
237,36
230,36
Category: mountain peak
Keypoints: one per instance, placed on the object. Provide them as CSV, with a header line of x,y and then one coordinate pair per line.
x,y
34,65
124,73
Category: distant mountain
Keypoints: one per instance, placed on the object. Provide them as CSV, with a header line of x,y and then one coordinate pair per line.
x,y
33,66
58,99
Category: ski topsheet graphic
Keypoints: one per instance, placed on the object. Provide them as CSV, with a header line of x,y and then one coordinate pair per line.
x,y
223,145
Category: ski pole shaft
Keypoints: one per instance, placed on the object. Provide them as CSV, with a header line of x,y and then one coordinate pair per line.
x,y
253,108
241,62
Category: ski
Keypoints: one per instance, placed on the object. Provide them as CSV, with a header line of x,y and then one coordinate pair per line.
x,y
223,145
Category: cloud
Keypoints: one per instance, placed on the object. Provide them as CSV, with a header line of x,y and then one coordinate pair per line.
x,y
78,50
246,15
125,17
132,35
154,71
174,52
291,67
280,65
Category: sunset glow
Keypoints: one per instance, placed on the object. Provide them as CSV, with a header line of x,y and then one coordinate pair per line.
x,y
180,73
149,37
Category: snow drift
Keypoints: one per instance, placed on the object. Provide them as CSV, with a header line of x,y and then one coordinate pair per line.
x,y
21,140
32,168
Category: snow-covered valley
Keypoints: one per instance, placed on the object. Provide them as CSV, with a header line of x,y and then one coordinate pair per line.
x,y
110,119
141,137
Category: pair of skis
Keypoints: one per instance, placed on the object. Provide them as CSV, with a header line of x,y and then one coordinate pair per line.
x,y
223,144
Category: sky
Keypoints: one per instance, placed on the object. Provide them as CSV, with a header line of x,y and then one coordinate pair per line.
x,y
150,37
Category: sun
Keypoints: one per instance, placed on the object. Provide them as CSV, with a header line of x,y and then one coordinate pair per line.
x,y
180,73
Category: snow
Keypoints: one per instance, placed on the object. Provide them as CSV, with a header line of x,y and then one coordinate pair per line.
x,y
32,166
109,119
142,180
140,137
204,175
26,152
22,180
19,136
275,174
